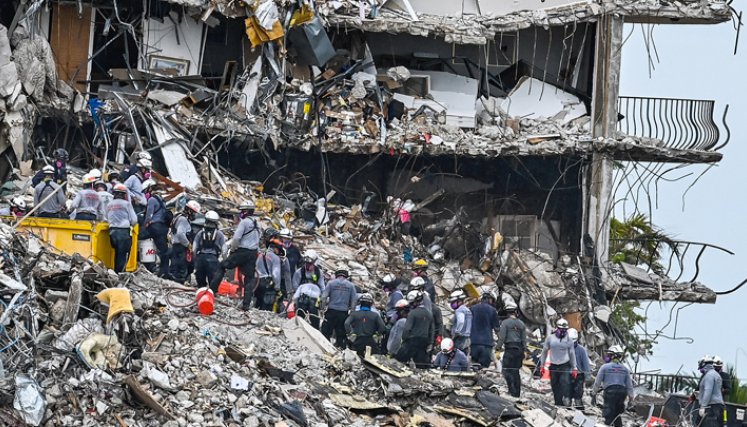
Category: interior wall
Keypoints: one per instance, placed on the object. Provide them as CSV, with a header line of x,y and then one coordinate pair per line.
x,y
178,36
70,40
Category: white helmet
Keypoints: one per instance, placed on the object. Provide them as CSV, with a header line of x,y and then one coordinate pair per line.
x,y
510,306
365,298
616,350
286,233
310,256
417,283
706,360
143,155
562,324
88,179
389,278
95,173
212,216
447,345
18,202
573,334
47,170
247,206
401,304
414,296
457,295
145,163
148,183
717,361
194,206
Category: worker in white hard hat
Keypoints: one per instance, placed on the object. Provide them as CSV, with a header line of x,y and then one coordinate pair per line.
x,y
394,341
512,336
17,208
244,246
562,358
134,184
121,218
208,247
309,271
156,223
180,245
584,370
87,204
419,333
291,250
614,378
52,205
450,358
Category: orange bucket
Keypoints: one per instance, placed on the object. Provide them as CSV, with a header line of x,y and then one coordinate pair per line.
x,y
205,301
228,289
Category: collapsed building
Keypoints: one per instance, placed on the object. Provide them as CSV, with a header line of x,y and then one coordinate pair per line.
x,y
495,125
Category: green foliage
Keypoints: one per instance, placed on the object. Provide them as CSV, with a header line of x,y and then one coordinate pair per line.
x,y
636,241
625,319
738,393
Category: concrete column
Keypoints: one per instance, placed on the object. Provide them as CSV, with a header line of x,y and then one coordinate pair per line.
x,y
598,203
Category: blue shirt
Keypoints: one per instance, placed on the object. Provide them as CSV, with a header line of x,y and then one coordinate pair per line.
x,y
462,322
614,373
484,322
583,364
458,363
710,388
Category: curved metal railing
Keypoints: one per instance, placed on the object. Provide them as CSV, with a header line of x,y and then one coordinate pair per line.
x,y
685,124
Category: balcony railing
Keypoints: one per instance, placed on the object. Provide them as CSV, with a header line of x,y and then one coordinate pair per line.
x,y
667,383
686,124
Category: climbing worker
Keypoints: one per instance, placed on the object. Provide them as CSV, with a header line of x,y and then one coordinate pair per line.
x,y
180,226
59,168
54,206
562,362
718,366
615,379
121,218
390,285
291,250
306,301
309,272
418,284
87,204
418,333
155,225
710,398
419,269
104,194
269,270
364,327
450,358
209,245
134,184
17,208
512,336
338,299
394,341
584,370
484,322
461,330
243,255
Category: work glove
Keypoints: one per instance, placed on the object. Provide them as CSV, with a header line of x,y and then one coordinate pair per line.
x,y
352,337
543,371
429,349
702,412
438,340
574,373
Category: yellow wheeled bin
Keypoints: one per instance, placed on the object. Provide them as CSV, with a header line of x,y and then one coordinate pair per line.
x,y
87,238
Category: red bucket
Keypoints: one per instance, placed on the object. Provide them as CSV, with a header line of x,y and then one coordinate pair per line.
x,y
228,289
205,301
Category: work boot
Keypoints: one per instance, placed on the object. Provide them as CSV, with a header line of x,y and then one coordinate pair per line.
x,y
567,402
578,404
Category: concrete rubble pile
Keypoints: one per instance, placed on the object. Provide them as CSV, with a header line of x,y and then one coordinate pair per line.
x,y
65,365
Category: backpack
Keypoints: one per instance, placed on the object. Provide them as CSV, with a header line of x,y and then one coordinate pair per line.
x,y
209,239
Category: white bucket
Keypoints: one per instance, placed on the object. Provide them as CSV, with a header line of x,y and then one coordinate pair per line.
x,y
147,251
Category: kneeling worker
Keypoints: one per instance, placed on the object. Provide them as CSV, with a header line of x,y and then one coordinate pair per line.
x,y
451,358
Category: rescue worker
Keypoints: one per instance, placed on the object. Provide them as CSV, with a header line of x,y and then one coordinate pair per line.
x,y
156,226
17,208
584,370
450,358
180,245
484,322
418,333
438,326
710,399
113,178
461,329
243,255
338,299
394,342
59,168
562,362
512,336
195,226
418,284
87,204
134,184
291,250
208,247
363,326
283,289
54,206
132,168
390,285
104,193
309,272
419,269
269,271
718,366
615,379
306,301
121,218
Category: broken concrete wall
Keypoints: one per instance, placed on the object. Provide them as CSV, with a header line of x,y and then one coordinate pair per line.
x,y
174,44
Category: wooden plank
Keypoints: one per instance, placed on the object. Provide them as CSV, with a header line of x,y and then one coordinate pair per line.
x,y
70,39
146,397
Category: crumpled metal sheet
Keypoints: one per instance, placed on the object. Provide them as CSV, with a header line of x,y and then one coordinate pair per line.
x,y
29,400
